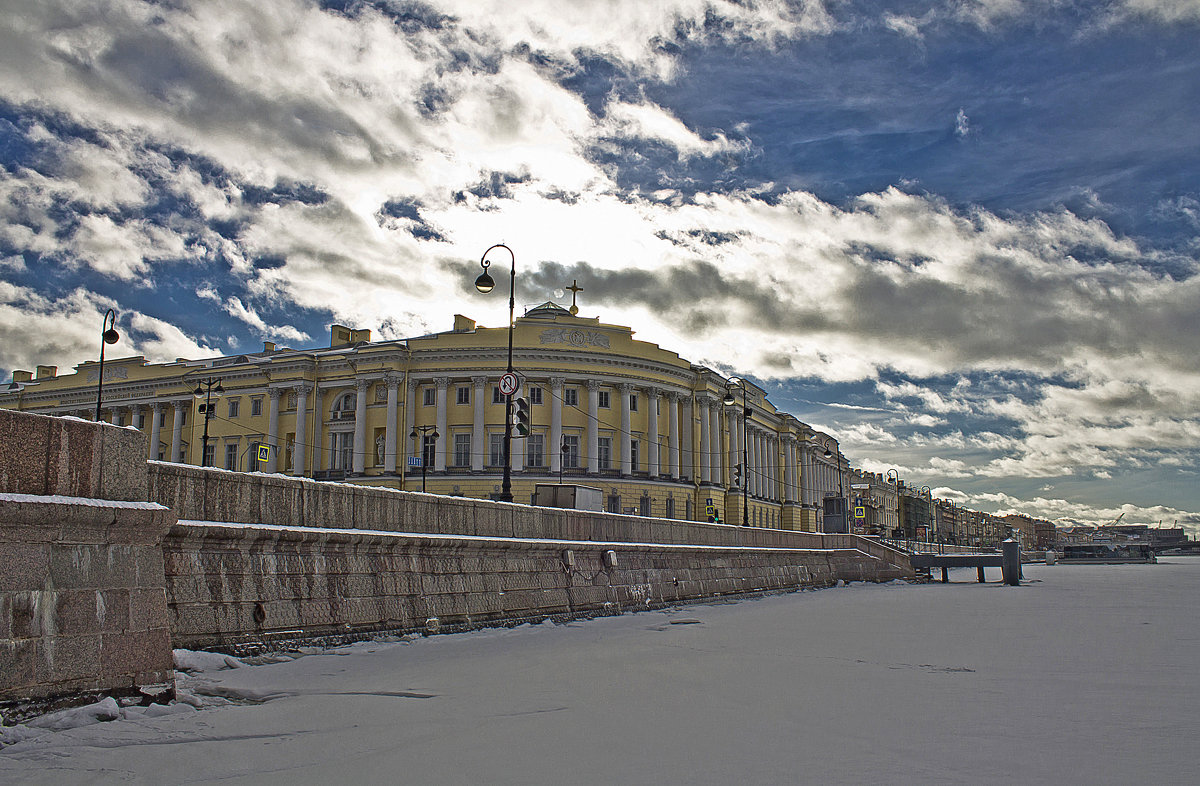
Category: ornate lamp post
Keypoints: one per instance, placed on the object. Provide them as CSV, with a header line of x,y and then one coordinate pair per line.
x,y
109,335
207,389
729,401
927,494
841,494
485,284
424,454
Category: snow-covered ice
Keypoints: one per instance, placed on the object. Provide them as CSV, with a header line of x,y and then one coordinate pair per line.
x,y
1084,674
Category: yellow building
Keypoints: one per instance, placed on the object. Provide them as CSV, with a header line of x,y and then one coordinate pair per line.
x,y
642,424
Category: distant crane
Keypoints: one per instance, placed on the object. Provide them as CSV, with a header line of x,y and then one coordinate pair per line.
x,y
1113,523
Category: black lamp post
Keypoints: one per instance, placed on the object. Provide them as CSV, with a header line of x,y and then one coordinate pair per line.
x,y
207,389
841,495
729,401
109,335
485,284
424,457
927,494
562,458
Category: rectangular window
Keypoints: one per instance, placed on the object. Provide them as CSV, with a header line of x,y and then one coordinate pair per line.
x,y
462,450
535,450
210,452
462,395
571,397
495,450
429,450
633,402
256,406
633,454
342,447
535,395
142,422
603,399
428,397
231,457
644,506
162,420
570,451
497,396
234,405
670,507
604,452
614,503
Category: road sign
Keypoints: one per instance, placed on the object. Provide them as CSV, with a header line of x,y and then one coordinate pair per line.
x,y
414,461
860,513
711,510
509,384
264,452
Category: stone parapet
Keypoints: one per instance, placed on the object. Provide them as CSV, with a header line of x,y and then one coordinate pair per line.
x,y
70,457
240,588
222,496
82,599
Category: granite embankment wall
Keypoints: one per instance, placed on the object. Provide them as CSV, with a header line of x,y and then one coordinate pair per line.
x,y
83,607
256,558
107,561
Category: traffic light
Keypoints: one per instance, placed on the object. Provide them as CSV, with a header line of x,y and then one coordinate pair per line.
x,y
737,475
521,416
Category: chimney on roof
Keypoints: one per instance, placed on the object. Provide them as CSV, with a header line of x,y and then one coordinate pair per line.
x,y
47,372
268,346
463,324
22,376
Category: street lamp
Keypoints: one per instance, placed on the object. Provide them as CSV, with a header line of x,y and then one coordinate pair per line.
x,y
485,284
841,494
207,389
108,336
927,493
729,401
424,453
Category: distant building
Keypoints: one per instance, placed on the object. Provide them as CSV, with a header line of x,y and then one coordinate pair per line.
x,y
1037,534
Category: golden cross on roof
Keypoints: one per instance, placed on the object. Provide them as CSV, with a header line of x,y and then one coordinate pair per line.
x,y
574,289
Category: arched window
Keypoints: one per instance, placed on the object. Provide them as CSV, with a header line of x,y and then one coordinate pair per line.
x,y
343,407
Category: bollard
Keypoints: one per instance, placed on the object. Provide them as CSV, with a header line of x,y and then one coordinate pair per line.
x,y
1011,562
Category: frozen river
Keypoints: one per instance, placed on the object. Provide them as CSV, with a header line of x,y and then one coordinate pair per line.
x,y
1084,674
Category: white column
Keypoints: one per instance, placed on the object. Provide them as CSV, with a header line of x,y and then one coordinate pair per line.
x,y
155,429
176,433
478,433
555,446
298,460
273,428
410,413
439,449
593,433
789,470
360,426
705,441
687,417
318,430
673,433
652,427
760,460
626,430
389,436
772,468
718,450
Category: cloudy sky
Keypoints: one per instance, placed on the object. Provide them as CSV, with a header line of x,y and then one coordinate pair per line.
x,y
962,235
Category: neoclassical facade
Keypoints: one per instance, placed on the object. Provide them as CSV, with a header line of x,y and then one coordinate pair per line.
x,y
637,421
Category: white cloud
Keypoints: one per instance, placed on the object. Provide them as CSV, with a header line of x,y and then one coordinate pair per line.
x,y
38,330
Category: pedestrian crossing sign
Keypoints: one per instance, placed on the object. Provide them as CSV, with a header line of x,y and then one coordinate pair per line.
x,y
264,452
860,512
